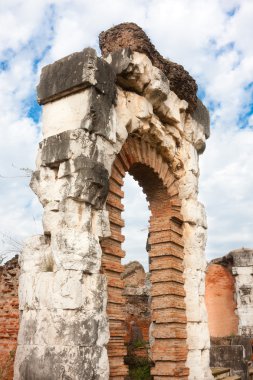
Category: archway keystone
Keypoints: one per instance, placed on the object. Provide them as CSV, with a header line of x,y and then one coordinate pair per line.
x,y
129,111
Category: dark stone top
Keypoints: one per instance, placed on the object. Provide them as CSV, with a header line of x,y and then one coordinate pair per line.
x,y
130,35
241,257
74,73
201,115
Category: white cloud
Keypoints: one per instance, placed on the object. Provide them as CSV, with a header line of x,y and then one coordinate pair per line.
x,y
211,39
226,190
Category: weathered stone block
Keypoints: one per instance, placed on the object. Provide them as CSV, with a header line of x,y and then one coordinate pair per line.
x,y
188,186
198,336
35,250
77,72
73,249
133,69
92,182
67,75
64,289
158,88
66,113
230,357
63,327
194,212
242,257
56,362
201,115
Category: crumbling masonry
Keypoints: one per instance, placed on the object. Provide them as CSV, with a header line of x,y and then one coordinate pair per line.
x,y
129,111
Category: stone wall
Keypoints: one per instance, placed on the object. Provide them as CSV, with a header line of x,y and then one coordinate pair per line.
x,y
243,272
9,316
103,117
220,301
229,293
233,352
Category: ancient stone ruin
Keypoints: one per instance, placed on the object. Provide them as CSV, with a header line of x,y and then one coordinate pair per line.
x,y
9,316
127,111
229,300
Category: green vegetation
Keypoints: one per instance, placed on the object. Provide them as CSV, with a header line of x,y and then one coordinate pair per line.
x,y
139,367
141,372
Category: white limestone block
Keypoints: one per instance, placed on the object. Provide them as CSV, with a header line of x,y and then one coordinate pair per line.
x,y
198,336
57,361
32,257
189,156
188,186
123,116
158,88
78,250
194,212
136,70
65,113
77,215
101,223
171,110
194,364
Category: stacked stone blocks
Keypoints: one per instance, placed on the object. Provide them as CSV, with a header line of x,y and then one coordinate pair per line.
x,y
101,118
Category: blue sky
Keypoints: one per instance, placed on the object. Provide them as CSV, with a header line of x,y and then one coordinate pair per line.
x,y
212,40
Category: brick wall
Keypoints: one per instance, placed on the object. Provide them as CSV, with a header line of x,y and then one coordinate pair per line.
x,y
9,316
220,288
168,316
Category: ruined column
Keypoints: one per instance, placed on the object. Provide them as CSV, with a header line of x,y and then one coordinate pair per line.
x,y
92,106
243,271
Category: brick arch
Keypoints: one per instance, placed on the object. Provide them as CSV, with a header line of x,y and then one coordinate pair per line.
x,y
168,316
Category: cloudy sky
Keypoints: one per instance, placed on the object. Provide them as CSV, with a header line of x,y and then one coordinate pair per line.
x,y
211,39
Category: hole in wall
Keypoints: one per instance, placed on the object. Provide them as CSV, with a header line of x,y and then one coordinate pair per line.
x,y
136,279
136,216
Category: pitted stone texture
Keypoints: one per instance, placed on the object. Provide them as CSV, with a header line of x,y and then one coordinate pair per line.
x,y
188,186
242,257
158,88
70,171
194,212
91,184
149,133
76,250
133,70
56,362
34,255
72,73
198,361
63,327
61,147
170,111
201,115
127,35
66,290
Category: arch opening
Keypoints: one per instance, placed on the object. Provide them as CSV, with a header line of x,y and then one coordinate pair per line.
x,y
167,332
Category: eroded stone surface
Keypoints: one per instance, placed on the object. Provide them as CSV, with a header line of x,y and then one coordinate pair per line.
x,y
127,35
134,105
239,263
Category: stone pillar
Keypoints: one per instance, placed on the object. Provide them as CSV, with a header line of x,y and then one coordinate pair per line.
x,y
91,106
243,271
62,293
